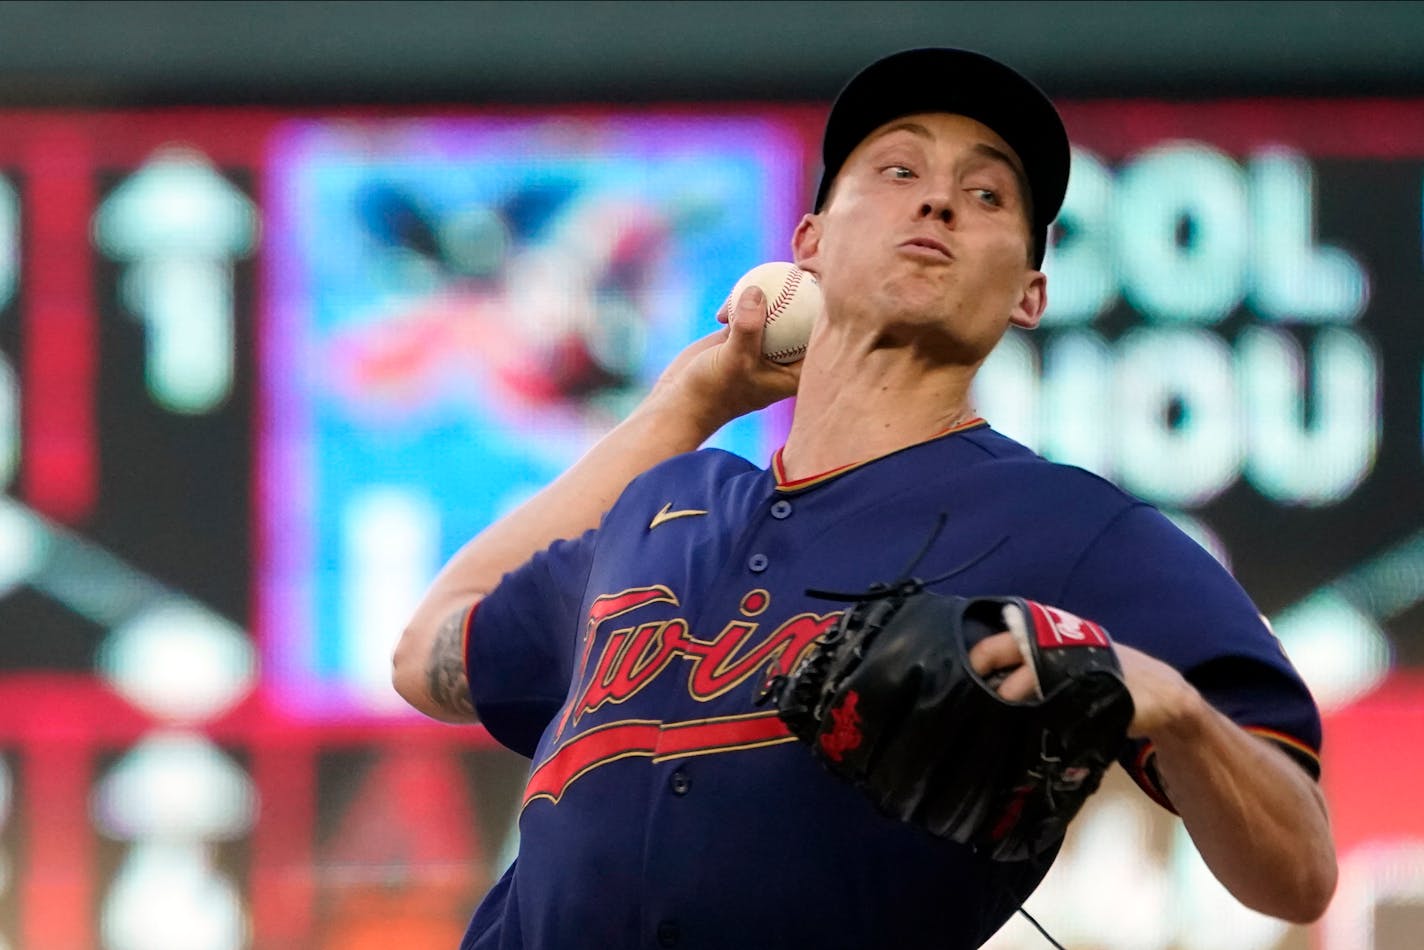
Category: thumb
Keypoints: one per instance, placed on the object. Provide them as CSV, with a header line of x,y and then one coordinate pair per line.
x,y
747,321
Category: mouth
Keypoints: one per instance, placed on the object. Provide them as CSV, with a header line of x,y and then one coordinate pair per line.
x,y
927,247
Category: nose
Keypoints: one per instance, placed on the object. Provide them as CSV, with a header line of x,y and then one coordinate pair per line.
x,y
938,204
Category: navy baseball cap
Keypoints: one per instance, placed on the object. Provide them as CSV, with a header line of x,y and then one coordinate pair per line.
x,y
964,83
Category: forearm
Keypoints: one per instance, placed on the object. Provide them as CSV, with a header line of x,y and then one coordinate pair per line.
x,y
1256,817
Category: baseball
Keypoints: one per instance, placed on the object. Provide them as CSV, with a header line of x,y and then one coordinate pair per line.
x,y
793,302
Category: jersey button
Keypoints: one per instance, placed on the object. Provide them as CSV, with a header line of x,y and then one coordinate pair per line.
x,y
757,563
681,783
781,510
668,933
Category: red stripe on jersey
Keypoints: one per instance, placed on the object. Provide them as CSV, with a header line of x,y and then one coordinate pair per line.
x,y
720,735
649,739
1285,740
598,746
784,484
465,629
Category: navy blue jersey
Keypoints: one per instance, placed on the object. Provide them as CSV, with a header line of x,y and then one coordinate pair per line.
x,y
665,807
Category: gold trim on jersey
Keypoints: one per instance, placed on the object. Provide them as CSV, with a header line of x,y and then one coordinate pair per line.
x,y
789,486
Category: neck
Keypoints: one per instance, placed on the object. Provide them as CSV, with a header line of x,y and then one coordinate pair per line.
x,y
855,403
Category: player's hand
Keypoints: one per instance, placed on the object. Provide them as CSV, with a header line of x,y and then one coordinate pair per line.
x,y
998,657
1161,697
724,375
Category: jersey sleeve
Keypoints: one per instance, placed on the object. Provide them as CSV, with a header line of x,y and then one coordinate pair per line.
x,y
520,643
1157,590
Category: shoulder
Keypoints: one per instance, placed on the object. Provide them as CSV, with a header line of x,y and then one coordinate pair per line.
x,y
1039,485
715,463
995,445
704,467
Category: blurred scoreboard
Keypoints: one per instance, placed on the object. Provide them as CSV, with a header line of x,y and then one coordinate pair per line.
x,y
259,375
262,372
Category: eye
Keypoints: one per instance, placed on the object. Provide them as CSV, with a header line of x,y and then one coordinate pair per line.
x,y
987,195
898,172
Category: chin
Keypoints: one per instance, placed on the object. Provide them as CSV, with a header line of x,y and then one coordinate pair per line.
x,y
917,296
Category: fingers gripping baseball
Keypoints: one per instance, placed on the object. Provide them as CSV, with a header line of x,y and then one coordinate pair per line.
x,y
745,323
723,375
738,365
793,306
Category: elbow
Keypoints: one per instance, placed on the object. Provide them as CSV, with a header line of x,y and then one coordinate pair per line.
x,y
428,670
1309,890
407,669
1315,890
1319,874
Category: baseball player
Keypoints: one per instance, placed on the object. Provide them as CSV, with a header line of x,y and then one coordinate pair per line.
x,y
616,629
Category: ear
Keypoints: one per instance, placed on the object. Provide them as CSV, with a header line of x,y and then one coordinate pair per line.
x,y
806,243
1029,309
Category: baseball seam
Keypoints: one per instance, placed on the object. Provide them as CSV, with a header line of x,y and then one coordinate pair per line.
x,y
789,351
783,299
778,307
775,308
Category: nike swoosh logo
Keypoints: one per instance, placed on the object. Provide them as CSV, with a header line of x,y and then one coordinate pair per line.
x,y
667,514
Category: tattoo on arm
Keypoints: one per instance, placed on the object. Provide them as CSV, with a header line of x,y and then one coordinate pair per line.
x,y
446,678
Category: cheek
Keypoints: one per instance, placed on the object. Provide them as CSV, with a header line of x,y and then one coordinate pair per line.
x,y
842,259
1005,266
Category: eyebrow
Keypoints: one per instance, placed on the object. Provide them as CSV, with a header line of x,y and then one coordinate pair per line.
x,y
982,148
914,128
999,155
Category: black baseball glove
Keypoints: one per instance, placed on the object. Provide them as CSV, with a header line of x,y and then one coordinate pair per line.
x,y
888,701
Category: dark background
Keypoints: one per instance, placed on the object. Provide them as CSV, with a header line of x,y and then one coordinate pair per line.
x,y
132,53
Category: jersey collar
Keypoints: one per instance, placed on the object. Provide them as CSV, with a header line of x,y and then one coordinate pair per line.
x,y
785,485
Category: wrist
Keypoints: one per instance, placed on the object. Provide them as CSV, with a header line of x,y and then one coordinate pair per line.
x,y
675,420
702,399
1181,717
